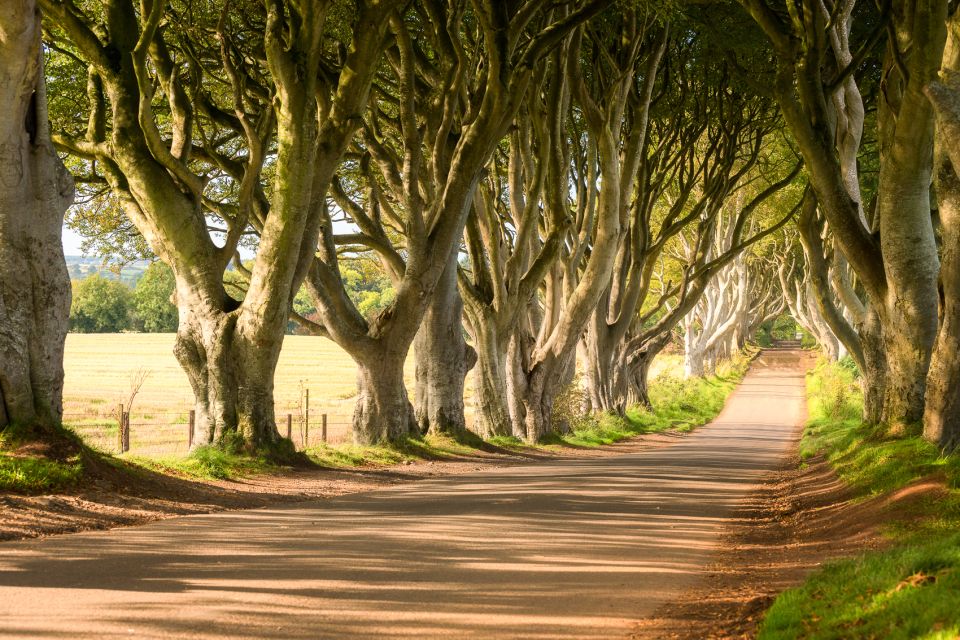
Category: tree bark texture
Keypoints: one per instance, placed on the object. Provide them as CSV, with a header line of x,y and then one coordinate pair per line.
x,y
383,411
491,380
941,416
35,191
443,359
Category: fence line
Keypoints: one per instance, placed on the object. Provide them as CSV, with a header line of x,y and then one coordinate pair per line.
x,y
118,430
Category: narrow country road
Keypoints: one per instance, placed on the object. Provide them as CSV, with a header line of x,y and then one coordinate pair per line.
x,y
567,549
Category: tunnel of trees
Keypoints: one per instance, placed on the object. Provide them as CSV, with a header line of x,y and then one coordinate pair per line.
x,y
532,193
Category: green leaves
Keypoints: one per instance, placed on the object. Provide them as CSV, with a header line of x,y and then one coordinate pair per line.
x,y
100,305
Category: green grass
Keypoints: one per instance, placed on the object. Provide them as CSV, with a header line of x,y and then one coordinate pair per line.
x,y
209,463
351,455
678,404
22,471
507,442
26,474
431,447
910,589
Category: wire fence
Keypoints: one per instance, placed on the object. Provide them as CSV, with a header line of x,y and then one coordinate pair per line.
x,y
151,433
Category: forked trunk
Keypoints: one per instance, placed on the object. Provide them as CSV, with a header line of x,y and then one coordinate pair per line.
x,y
540,390
537,407
35,191
517,363
604,374
383,412
443,359
232,379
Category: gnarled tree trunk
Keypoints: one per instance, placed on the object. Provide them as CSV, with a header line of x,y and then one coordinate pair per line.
x,y
443,359
230,374
383,411
491,382
941,416
35,191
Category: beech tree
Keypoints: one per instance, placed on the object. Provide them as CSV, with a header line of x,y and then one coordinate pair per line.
x,y
428,140
521,234
896,259
728,312
545,348
35,191
797,289
703,144
168,145
941,418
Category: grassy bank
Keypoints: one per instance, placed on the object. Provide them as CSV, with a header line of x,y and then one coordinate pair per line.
x,y
29,474
911,589
25,467
677,404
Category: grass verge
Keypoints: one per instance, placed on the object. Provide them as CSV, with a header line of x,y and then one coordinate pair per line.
x,y
32,463
208,463
430,447
910,589
678,404
28,474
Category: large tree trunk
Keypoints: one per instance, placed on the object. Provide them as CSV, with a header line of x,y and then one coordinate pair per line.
x,y
908,349
35,191
443,359
638,369
490,380
604,368
905,120
909,313
383,412
541,386
638,383
231,375
941,416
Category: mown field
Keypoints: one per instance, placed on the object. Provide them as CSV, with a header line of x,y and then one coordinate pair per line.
x,y
101,367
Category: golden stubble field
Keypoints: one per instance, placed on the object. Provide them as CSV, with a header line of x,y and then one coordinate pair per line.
x,y
100,368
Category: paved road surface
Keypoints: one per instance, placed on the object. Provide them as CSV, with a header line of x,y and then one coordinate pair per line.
x,y
566,549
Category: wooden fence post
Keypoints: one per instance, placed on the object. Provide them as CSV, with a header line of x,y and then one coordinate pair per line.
x,y
289,426
125,433
306,421
120,428
324,433
192,425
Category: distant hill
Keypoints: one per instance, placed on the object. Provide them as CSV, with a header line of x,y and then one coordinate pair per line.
x,y
80,267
